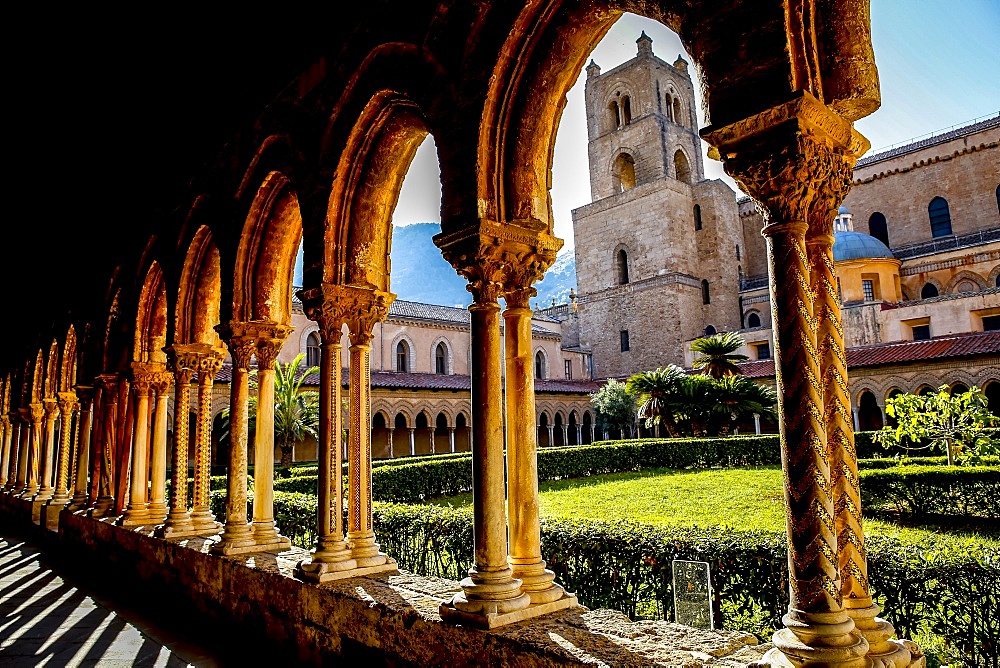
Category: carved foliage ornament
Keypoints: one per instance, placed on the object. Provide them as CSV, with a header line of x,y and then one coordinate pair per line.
x,y
360,307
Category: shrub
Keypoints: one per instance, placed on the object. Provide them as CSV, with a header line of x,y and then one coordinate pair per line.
x,y
967,491
945,586
305,484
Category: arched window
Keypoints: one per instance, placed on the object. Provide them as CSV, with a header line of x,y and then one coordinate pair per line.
x,y
706,298
753,320
959,388
539,365
682,170
669,111
440,359
878,228
312,349
697,221
940,217
710,330
621,260
626,110
929,290
402,357
624,172
616,119
677,110
869,412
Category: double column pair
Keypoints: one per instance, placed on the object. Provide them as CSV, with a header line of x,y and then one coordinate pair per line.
x,y
187,360
246,341
337,556
503,587
797,161
147,476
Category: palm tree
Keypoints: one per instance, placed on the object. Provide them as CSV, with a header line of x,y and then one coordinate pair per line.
x,y
296,410
657,393
737,397
718,354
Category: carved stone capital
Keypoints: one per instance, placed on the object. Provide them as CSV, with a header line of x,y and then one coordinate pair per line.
x,y
267,352
161,382
36,412
66,401
333,305
51,407
109,383
255,330
84,393
187,359
4,421
795,159
242,349
500,260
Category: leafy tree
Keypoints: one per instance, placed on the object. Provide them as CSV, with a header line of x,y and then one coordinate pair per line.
x,y
614,406
718,355
296,410
737,397
953,423
657,393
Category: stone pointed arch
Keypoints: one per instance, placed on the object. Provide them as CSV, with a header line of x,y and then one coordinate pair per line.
x,y
265,257
397,97
151,319
199,292
961,276
38,378
67,372
52,371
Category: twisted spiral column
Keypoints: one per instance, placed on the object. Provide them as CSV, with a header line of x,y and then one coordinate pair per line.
x,y
178,522
209,362
67,406
85,395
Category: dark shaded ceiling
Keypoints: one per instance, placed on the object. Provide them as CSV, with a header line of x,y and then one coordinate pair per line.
x,y
107,118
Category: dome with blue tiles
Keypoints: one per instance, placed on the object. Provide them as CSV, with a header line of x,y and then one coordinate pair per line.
x,y
850,245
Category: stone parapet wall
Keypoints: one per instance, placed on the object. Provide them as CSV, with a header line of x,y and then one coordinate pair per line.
x,y
390,620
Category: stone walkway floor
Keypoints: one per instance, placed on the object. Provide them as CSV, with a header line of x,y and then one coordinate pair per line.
x,y
48,619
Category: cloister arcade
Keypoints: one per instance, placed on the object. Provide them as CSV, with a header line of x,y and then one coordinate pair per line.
x,y
85,416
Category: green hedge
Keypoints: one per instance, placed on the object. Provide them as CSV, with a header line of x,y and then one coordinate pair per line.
x,y
885,463
942,586
958,491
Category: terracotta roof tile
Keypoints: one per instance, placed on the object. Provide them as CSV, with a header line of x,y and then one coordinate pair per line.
x,y
902,352
929,141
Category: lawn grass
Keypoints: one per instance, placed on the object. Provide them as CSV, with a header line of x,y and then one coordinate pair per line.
x,y
741,499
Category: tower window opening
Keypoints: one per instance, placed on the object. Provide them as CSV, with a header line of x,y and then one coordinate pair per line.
x,y
929,290
669,111
622,261
625,172
706,297
626,110
940,217
682,170
677,110
624,341
738,259
753,321
616,118
711,330
697,218
878,228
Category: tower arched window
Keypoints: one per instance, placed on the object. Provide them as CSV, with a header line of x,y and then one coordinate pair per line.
x,y
624,172
697,218
539,365
706,297
440,359
677,110
711,331
615,114
312,349
669,111
621,260
878,227
753,320
626,110
940,217
682,169
929,290
402,357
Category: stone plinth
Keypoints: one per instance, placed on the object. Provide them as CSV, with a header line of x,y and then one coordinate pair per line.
x,y
388,619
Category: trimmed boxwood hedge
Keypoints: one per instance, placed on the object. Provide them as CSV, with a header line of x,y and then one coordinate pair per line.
x,y
948,587
957,491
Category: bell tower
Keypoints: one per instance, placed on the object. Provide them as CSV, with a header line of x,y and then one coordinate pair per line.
x,y
656,257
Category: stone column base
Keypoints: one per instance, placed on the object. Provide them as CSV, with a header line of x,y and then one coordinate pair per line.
x,y
37,506
52,515
134,518
277,544
320,571
491,619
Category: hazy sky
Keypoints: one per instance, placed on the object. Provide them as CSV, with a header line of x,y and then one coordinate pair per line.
x,y
938,64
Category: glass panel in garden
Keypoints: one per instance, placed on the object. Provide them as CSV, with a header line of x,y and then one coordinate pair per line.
x,y
693,594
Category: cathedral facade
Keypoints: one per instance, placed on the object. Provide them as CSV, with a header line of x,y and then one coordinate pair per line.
x,y
665,256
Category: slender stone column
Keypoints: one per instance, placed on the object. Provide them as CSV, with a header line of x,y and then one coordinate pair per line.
x,y
237,537
67,405
265,532
35,448
106,445
579,433
46,488
331,557
178,522
96,444
365,308
552,435
837,416
413,440
24,433
156,512
430,437
84,424
451,439
209,363
522,456
5,458
135,513
388,438
785,158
